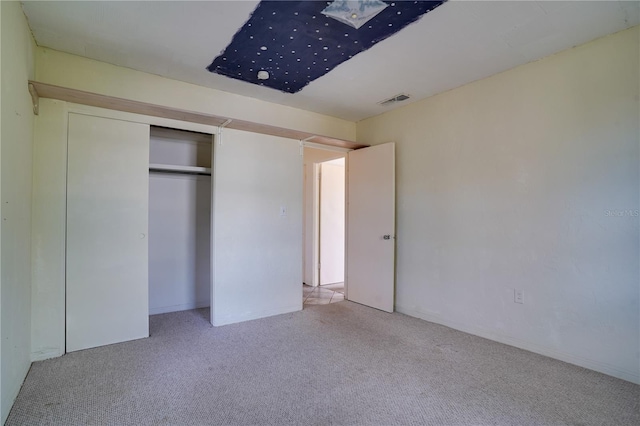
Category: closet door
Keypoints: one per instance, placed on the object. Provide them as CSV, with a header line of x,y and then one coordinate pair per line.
x,y
107,220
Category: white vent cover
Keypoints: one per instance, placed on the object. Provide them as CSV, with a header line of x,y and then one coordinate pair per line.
x,y
397,98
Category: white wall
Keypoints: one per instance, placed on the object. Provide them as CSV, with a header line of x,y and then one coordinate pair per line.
x,y
257,249
16,143
312,156
527,180
332,221
179,242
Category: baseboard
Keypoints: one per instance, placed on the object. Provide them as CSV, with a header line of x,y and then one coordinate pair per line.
x,y
248,316
176,308
590,364
46,354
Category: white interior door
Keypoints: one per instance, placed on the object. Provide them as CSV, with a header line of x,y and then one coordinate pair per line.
x,y
371,226
107,221
332,218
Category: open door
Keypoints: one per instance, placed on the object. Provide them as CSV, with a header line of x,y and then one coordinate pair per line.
x,y
370,266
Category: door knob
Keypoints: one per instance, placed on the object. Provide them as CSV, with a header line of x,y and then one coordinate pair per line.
x,y
386,237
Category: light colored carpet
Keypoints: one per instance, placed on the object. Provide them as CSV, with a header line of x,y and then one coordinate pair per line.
x,y
327,365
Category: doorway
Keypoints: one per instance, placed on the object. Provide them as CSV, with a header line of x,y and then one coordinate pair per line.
x,y
369,223
331,205
324,226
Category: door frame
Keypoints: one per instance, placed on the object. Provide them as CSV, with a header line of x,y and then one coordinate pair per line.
x,y
314,215
321,175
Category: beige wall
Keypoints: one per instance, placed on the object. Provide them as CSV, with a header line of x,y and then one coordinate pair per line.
x,y
527,180
76,72
16,139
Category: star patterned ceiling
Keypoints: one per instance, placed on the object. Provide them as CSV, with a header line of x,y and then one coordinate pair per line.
x,y
296,44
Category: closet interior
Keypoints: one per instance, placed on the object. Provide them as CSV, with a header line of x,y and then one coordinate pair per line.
x,y
179,220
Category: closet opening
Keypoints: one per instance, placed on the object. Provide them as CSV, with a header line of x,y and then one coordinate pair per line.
x,y
179,220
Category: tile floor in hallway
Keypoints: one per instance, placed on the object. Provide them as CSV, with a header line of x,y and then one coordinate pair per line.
x,y
322,295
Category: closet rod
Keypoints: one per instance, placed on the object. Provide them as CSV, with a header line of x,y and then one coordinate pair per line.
x,y
170,168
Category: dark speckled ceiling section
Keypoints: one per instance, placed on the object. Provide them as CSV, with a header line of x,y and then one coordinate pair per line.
x,y
295,43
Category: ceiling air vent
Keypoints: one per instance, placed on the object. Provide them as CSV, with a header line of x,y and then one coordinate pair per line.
x,y
397,98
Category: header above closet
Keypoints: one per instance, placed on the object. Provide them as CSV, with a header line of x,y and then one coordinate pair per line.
x,y
44,90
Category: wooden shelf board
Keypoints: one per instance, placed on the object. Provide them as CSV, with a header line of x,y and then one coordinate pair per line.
x,y
44,90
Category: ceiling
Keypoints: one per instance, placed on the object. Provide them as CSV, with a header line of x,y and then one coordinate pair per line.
x,y
457,43
295,43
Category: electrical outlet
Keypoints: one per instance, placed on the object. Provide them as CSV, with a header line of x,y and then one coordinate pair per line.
x,y
518,296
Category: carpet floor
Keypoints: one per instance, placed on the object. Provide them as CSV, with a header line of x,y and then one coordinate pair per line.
x,y
336,364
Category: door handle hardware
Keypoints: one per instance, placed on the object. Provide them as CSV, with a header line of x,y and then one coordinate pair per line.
x,y
386,237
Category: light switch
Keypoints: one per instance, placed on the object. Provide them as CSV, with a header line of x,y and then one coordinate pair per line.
x,y
283,211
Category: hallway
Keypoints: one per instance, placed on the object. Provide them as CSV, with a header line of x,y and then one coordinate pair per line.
x,y
323,295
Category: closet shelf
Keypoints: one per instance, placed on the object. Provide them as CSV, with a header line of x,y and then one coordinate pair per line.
x,y
180,169
44,90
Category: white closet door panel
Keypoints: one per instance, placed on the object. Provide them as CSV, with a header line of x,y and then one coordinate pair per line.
x,y
107,221
258,227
